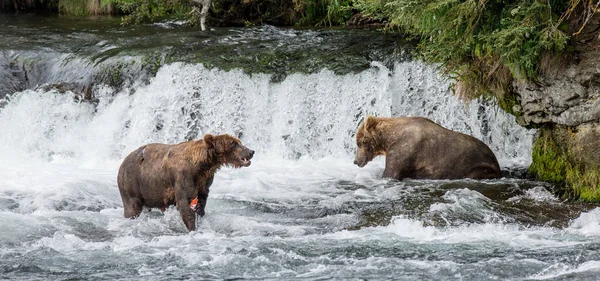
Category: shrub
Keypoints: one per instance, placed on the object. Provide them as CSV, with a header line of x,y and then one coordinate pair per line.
x,y
479,42
137,11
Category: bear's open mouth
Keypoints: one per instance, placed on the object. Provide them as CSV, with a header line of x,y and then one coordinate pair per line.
x,y
245,161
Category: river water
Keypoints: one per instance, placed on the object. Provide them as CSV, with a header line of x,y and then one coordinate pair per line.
x,y
302,210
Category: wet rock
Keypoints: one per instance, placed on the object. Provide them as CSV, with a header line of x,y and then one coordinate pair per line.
x,y
572,97
568,89
586,143
564,103
81,92
13,78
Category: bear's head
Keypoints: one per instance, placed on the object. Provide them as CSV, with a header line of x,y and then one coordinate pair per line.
x,y
228,150
367,142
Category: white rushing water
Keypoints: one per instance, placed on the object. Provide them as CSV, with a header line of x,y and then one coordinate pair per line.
x,y
304,116
292,213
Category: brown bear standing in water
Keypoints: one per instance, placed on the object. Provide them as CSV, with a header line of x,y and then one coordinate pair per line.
x,y
160,175
418,148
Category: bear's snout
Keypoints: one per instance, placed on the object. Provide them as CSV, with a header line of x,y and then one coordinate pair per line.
x,y
360,164
243,157
362,157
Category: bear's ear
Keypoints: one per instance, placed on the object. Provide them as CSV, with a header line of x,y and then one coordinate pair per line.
x,y
370,123
205,153
209,140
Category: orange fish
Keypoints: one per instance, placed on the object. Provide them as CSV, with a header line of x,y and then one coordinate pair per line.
x,y
194,204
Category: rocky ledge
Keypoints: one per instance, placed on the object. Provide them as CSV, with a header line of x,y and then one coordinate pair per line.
x,y
564,103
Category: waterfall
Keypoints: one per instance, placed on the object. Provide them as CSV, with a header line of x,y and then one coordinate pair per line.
x,y
303,116
75,99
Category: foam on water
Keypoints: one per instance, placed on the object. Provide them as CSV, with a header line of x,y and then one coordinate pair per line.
x,y
465,203
587,224
536,194
556,271
507,234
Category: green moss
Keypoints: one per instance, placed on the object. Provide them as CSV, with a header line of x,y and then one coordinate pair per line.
x,y
554,161
585,183
550,162
510,103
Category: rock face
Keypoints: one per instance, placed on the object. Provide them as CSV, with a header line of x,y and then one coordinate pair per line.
x,y
587,139
565,104
570,97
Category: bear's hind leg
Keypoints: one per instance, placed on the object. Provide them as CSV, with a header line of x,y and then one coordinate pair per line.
x,y
483,173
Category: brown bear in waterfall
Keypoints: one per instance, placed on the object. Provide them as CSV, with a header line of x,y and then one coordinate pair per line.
x,y
160,175
418,148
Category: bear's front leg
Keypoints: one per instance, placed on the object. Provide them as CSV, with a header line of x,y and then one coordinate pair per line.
x,y
391,173
397,166
187,214
203,196
184,195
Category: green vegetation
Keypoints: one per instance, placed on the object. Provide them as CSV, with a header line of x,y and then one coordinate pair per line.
x,y
254,12
137,11
257,12
84,7
223,12
550,161
557,159
484,44
586,183
511,104
324,12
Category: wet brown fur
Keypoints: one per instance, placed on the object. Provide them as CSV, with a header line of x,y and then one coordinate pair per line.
x,y
418,148
160,175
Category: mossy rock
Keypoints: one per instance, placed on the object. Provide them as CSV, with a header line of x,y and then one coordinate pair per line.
x,y
511,103
569,156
